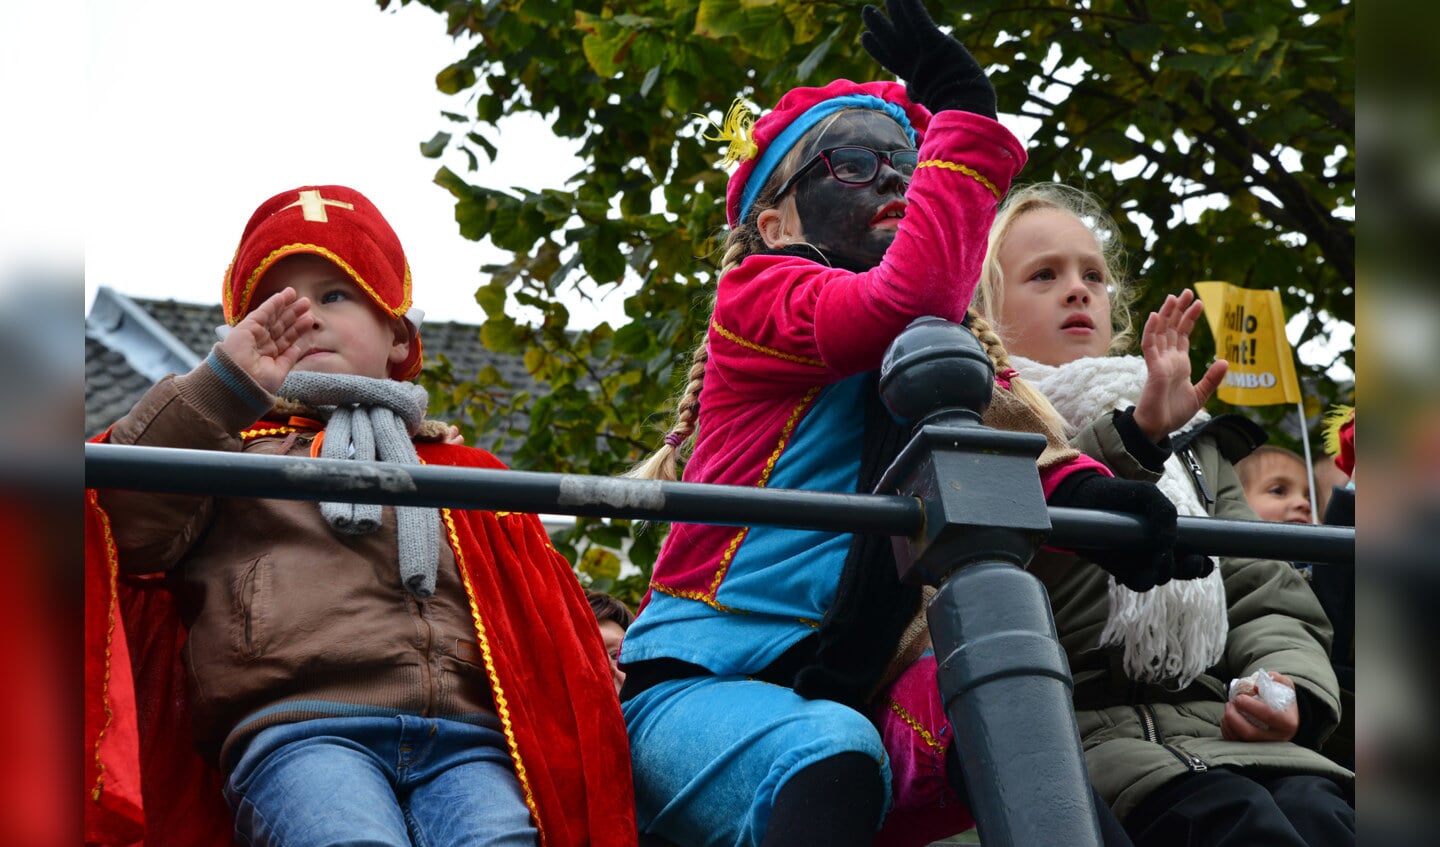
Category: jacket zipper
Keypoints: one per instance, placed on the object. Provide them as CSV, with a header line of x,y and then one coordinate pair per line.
x,y
1189,761
1147,724
428,648
1152,734
1198,476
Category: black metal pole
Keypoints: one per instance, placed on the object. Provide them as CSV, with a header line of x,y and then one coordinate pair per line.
x,y
178,471
175,471
1003,676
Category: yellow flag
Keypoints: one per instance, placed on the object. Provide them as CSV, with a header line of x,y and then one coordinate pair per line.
x,y
1249,329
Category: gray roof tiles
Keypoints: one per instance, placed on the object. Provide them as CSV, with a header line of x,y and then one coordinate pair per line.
x,y
112,385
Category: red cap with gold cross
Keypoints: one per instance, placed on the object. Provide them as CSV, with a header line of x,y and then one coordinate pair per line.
x,y
341,225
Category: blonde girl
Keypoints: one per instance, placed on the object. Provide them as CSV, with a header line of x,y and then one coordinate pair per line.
x,y
1179,761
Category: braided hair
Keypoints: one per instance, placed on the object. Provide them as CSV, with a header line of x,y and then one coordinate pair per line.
x,y
742,241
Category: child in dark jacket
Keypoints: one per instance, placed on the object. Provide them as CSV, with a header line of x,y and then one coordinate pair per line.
x,y
1179,759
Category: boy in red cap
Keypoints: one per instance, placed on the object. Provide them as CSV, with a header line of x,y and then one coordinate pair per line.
x,y
777,686
351,672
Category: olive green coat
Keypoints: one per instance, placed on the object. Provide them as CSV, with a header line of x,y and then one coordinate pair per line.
x,y
1138,737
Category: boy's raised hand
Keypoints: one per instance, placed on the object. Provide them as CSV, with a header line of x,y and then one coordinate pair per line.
x,y
939,72
271,339
1168,401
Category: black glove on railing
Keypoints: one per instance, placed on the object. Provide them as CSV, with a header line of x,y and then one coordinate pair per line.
x,y
1192,565
1137,568
938,71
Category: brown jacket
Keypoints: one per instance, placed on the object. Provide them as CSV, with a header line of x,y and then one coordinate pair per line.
x,y
286,620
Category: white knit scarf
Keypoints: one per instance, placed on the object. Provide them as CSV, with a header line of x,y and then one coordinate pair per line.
x,y
370,420
1173,632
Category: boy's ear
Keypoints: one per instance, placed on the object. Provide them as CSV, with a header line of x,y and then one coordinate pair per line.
x,y
400,346
779,226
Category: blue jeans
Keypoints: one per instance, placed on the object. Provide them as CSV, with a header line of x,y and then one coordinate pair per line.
x,y
398,781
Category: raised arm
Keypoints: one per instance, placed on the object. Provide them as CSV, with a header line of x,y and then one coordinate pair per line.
x,y
1168,401
203,410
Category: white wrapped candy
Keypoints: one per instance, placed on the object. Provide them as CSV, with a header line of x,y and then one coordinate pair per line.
x,y
1277,695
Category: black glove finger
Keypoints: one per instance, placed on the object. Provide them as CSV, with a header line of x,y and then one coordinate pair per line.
x,y
910,17
879,51
1133,572
875,21
1163,567
1141,580
883,43
1192,565
877,26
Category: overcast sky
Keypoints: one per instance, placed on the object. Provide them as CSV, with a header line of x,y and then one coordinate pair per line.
x,y
199,111
195,112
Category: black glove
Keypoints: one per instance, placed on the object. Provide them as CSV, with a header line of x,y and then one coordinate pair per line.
x,y
939,72
1192,565
1138,568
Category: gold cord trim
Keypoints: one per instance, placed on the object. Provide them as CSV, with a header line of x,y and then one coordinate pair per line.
x,y
709,596
112,568
502,706
785,433
956,166
750,345
930,740
234,316
261,432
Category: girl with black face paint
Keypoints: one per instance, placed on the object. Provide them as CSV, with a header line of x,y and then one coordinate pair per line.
x,y
850,225
779,688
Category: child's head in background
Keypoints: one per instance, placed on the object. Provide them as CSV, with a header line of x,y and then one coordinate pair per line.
x,y
1276,485
614,618
332,245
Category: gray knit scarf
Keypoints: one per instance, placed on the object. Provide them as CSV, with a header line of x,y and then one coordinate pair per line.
x,y
372,420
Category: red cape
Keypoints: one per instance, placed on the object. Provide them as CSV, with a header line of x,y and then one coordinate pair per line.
x,y
146,784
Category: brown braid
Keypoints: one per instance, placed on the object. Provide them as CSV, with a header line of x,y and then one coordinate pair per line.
x,y
995,349
663,463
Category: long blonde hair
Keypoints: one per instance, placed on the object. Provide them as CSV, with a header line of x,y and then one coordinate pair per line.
x,y
745,240
990,293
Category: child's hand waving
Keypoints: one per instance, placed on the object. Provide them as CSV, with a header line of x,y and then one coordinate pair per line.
x,y
271,339
1168,401
938,71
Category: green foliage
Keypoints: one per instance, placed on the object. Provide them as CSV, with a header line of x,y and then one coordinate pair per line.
x,y
1160,107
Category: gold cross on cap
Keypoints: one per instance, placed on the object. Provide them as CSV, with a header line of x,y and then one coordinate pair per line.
x,y
312,205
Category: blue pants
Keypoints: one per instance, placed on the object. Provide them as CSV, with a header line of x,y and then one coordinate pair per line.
x,y
711,752
394,781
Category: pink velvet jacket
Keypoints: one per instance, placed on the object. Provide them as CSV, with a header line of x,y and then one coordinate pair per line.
x,y
778,410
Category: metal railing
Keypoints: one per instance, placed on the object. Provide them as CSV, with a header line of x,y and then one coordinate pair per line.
x,y
962,502
176,471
